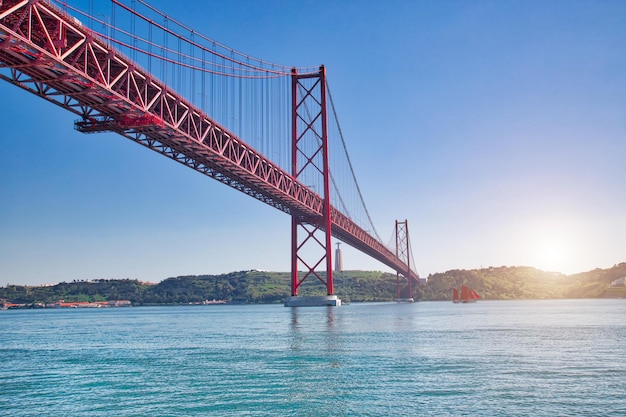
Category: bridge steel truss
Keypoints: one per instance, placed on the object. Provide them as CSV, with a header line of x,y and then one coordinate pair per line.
x,y
45,51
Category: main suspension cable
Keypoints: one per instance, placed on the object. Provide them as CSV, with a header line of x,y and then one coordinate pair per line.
x,y
356,183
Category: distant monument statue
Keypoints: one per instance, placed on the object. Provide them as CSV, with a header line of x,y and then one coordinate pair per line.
x,y
338,259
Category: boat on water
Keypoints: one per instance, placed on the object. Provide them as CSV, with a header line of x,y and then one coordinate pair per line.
x,y
467,295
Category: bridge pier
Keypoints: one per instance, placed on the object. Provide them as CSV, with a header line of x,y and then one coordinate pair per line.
x,y
313,301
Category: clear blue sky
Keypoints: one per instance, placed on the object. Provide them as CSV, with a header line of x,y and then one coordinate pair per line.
x,y
497,128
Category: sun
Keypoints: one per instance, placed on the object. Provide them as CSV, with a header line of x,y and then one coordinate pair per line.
x,y
553,255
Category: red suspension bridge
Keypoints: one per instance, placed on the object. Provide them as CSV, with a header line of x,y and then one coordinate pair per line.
x,y
137,72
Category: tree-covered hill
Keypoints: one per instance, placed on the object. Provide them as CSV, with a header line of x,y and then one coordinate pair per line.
x,y
525,283
237,287
356,286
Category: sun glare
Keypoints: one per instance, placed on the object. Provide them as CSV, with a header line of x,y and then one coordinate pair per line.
x,y
553,255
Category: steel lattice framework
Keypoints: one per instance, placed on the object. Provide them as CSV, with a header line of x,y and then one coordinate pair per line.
x,y
52,55
309,112
403,252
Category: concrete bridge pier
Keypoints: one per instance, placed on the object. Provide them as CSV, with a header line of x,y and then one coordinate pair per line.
x,y
313,301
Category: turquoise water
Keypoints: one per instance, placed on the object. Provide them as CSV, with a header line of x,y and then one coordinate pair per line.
x,y
492,358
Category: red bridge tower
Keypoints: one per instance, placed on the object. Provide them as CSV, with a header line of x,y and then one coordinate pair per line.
x,y
311,237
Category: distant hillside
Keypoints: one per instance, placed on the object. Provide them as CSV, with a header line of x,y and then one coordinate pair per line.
x,y
526,283
356,286
234,287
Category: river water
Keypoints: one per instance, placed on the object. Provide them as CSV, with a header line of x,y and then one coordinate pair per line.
x,y
491,358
